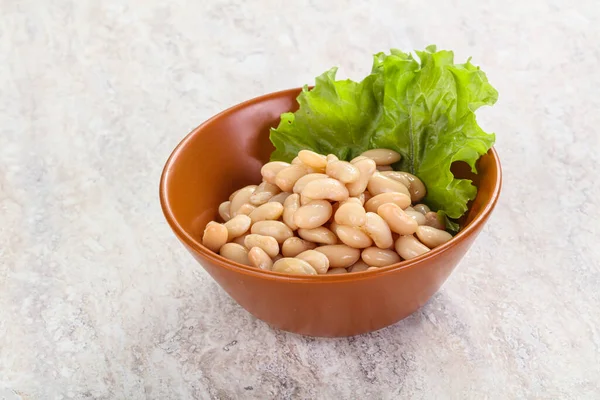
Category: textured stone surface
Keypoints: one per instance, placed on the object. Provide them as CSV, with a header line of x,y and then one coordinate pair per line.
x,y
98,299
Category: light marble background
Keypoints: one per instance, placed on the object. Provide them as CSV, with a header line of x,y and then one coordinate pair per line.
x,y
98,300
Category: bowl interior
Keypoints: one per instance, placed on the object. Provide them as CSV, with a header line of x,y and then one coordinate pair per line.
x,y
227,152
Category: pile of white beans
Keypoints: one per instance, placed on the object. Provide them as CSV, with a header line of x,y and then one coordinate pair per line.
x,y
321,215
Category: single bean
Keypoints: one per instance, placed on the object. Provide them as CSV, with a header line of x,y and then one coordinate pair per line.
x,y
317,260
232,195
287,177
416,188
422,208
215,235
245,209
397,219
279,198
326,189
336,271
366,168
382,184
237,226
267,243
339,255
235,252
432,237
397,176
318,235
312,159
358,266
417,216
259,259
293,266
270,170
268,211
400,199
376,257
241,197
263,193
313,215
378,230
343,171
276,229
354,200
409,209
434,220
290,206
372,269
297,161
382,168
294,246
409,247
382,156
224,211
353,237
351,214
301,183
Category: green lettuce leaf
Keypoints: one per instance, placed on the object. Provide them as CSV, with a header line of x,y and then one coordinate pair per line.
x,y
424,109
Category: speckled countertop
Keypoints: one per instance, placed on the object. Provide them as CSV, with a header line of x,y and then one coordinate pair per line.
x,y
98,300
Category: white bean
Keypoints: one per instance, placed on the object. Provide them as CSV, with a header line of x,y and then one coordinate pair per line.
x,y
312,159
351,214
318,235
400,199
397,219
276,229
215,235
268,211
259,259
267,243
376,257
417,216
382,184
326,189
339,255
293,266
235,252
313,215
343,171
290,206
294,246
409,247
382,156
317,260
432,237
353,237
237,226
422,208
366,168
224,211
245,209
378,230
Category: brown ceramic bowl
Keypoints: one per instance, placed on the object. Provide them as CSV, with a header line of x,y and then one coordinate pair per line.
x,y
225,153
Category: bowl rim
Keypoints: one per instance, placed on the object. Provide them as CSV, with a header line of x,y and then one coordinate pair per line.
x,y
208,255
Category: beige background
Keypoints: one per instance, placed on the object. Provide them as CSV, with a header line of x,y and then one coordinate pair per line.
x,y
98,299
